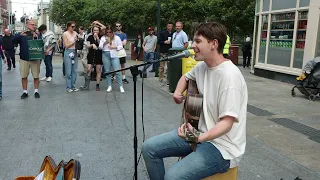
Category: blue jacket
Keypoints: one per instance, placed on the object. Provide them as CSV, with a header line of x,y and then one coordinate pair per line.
x,y
23,41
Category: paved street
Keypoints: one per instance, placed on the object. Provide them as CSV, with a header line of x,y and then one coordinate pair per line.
x,y
283,132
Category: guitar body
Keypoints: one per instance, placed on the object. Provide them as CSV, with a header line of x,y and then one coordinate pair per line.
x,y
192,110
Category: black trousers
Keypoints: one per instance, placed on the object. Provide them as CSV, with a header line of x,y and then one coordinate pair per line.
x,y
246,59
10,55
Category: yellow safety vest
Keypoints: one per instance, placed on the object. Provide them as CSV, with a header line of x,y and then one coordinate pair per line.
x,y
227,46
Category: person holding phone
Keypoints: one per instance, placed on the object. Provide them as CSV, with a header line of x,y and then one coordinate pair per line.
x,y
70,38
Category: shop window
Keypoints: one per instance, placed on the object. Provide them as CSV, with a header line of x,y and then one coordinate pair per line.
x,y
301,37
257,6
283,4
266,5
263,41
254,50
317,54
304,3
281,39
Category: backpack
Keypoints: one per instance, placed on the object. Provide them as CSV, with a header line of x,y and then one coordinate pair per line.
x,y
80,43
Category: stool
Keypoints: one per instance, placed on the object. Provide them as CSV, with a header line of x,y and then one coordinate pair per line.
x,y
231,174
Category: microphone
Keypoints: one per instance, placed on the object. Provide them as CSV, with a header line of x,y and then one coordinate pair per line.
x,y
183,54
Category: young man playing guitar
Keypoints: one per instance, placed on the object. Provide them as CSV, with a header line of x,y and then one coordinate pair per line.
x,y
222,123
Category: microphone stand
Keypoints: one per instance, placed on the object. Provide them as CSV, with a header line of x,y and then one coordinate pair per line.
x,y
135,72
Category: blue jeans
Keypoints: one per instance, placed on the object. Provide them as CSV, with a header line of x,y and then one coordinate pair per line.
x,y
147,57
48,63
206,161
0,76
71,69
115,63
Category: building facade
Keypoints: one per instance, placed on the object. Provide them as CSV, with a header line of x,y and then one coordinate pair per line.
x,y
286,37
45,19
4,18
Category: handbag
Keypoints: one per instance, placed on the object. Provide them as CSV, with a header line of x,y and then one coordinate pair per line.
x,y
121,53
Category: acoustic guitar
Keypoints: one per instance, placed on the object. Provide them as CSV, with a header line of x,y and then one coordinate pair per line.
x,y
191,113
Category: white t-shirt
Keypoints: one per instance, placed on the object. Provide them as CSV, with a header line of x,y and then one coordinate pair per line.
x,y
225,94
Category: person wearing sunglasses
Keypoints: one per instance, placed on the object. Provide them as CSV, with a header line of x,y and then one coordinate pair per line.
x,y
70,59
110,44
25,63
123,37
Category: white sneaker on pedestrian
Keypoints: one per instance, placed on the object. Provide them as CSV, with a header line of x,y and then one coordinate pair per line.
x,y
121,89
49,79
69,90
109,89
75,89
43,79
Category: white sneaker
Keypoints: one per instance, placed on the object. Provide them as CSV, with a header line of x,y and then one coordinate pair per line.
x,y
69,90
75,89
49,79
121,89
109,89
43,79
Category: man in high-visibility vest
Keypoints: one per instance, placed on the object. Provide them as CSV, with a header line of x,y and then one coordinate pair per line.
x,y
226,47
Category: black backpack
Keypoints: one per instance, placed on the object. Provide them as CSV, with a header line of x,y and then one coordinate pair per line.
x,y
79,44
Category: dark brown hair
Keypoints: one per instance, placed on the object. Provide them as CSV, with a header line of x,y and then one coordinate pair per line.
x,y
69,23
212,31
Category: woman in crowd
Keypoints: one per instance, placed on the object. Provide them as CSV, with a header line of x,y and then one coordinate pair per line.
x,y
110,44
94,56
70,56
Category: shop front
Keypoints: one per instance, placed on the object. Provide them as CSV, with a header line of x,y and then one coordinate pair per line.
x,y
286,37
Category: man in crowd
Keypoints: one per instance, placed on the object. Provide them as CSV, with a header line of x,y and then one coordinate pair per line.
x,y
123,38
179,38
50,42
25,63
165,44
149,46
8,47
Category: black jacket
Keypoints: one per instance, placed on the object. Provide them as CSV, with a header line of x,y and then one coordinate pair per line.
x,y
246,47
7,42
164,48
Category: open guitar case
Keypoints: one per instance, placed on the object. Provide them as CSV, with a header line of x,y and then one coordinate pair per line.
x,y
63,171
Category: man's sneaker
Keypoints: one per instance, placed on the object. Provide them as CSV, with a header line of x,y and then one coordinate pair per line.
x,y
69,90
49,79
75,89
121,89
24,95
36,95
109,89
125,81
43,79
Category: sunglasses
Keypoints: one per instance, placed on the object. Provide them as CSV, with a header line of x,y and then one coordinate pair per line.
x,y
118,26
73,26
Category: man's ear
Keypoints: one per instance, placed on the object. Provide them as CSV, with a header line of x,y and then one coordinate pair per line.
x,y
214,44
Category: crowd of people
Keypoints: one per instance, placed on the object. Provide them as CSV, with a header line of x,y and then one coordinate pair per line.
x,y
100,48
